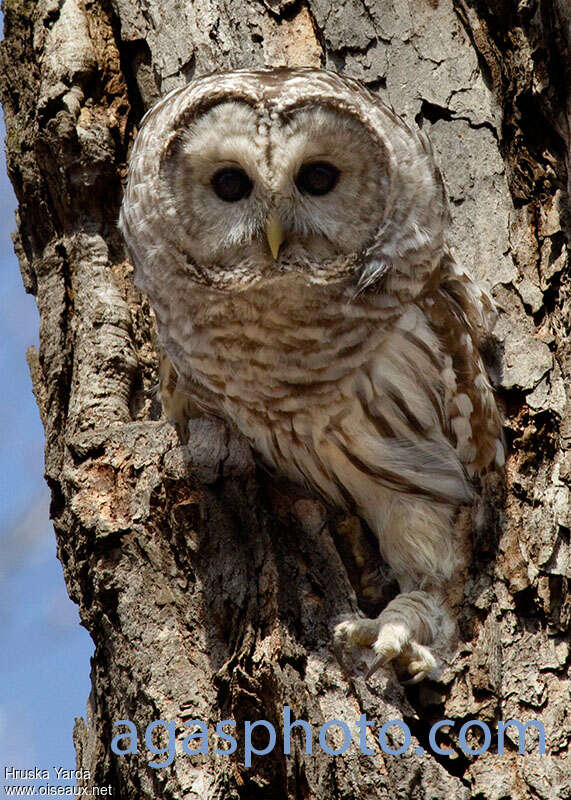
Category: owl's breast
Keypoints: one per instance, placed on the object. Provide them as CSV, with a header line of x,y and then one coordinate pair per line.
x,y
296,376
281,385
271,355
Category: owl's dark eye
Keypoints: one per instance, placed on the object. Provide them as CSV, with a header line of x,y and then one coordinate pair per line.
x,y
317,177
231,184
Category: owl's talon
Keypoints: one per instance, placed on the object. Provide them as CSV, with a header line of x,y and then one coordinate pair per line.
x,y
375,666
393,638
420,676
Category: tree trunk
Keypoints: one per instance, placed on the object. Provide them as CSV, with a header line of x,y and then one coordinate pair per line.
x,y
210,594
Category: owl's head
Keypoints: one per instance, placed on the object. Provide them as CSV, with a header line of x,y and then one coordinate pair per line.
x,y
243,177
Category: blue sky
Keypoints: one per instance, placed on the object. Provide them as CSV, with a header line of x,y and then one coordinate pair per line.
x,y
44,661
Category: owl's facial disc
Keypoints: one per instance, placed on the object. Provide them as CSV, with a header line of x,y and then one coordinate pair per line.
x,y
258,192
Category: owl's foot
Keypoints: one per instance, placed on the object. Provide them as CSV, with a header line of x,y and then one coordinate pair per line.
x,y
398,636
395,644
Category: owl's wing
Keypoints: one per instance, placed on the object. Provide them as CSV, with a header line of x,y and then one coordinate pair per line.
x,y
461,313
395,432
423,417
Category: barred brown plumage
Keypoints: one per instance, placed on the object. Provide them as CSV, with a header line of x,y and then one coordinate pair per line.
x,y
333,329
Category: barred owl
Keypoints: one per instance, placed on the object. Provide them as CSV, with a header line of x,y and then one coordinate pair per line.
x,y
290,231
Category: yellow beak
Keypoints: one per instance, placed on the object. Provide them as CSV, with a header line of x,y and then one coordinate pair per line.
x,y
274,233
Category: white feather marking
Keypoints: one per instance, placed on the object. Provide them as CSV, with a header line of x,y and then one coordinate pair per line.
x,y
449,379
481,383
464,404
466,452
408,320
461,428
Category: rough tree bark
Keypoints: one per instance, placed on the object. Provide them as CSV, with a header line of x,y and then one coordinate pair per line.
x,y
212,597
